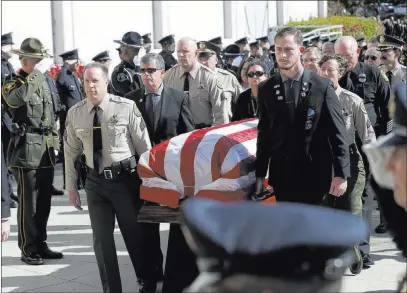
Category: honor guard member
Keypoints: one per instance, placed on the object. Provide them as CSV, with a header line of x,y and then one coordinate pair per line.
x,y
103,58
168,45
31,152
126,76
372,86
111,133
69,89
7,69
257,51
265,45
244,49
390,49
207,104
231,53
231,89
287,247
217,41
387,158
147,42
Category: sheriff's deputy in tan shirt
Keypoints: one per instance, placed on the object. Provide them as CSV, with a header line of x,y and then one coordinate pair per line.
x,y
111,133
207,103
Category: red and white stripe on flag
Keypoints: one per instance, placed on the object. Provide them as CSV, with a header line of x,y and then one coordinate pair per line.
x,y
215,162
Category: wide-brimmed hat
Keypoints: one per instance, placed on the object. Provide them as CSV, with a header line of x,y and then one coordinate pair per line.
x,y
131,39
32,47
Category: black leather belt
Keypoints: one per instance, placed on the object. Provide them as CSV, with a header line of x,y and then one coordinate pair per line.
x,y
46,130
202,125
117,170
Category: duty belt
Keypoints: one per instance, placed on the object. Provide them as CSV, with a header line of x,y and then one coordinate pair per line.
x,y
117,169
43,130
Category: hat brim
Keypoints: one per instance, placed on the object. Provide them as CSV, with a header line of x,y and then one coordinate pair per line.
x,y
128,45
31,55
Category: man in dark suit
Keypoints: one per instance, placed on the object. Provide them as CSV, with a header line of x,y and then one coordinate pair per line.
x,y
301,130
167,114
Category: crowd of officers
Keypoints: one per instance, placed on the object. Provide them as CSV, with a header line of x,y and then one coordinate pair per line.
x,y
317,104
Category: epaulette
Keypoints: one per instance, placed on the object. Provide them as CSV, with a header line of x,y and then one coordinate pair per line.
x,y
225,72
118,99
79,104
383,73
208,69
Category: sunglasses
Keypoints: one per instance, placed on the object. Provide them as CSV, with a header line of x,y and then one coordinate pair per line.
x,y
373,58
253,74
149,70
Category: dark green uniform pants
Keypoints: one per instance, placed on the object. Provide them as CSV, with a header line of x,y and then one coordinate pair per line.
x,y
108,199
34,187
351,200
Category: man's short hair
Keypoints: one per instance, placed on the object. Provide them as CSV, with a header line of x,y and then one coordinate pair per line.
x,y
290,31
102,67
150,57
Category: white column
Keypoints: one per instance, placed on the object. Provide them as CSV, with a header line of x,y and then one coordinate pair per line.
x,y
280,13
158,24
228,19
322,8
62,28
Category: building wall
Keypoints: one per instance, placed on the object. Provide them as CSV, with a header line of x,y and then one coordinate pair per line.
x,y
92,26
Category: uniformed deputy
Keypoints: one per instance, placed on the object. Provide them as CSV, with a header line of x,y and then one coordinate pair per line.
x,y
111,133
265,45
102,58
126,76
390,49
217,41
230,53
31,151
231,89
208,106
7,69
256,51
286,247
147,42
69,88
168,45
244,49
388,157
368,83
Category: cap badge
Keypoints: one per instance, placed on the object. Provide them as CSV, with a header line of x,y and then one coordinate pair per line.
x,y
381,39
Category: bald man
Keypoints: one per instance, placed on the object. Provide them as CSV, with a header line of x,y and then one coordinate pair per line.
x,y
373,87
328,48
200,83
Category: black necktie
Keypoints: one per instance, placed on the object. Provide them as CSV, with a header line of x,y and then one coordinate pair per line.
x,y
290,100
186,82
97,140
150,109
389,76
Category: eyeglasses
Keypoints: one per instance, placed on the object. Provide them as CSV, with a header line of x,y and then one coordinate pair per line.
x,y
373,58
257,73
149,70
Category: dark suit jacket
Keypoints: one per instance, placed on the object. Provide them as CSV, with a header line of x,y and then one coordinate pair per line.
x,y
175,118
5,192
300,150
245,107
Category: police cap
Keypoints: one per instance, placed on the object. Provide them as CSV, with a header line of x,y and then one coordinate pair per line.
x,y
7,39
379,151
263,39
299,241
103,56
207,49
232,50
242,41
70,55
216,41
147,38
167,40
131,39
255,44
388,42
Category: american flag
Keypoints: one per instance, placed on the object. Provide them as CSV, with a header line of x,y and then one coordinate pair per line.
x,y
215,162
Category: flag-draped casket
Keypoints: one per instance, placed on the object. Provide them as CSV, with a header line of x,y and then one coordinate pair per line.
x,y
215,162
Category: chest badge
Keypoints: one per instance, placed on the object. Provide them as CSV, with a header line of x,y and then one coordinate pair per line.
x,y
113,120
310,119
362,78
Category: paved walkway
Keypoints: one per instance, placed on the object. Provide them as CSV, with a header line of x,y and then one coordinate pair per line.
x,y
70,233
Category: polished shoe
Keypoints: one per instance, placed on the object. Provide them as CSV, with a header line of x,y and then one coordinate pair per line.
x,y
357,265
14,197
381,229
32,258
47,253
367,261
147,287
57,191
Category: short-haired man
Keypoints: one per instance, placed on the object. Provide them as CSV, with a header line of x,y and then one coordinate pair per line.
x,y
203,87
301,130
372,57
328,48
167,114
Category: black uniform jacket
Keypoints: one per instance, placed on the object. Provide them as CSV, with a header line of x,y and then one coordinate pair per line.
x,y
125,78
69,87
301,147
175,117
169,60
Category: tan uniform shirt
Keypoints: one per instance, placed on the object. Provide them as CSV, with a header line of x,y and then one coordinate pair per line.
x,y
124,134
230,87
398,74
205,94
355,115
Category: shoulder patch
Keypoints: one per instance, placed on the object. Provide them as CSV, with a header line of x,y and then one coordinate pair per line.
x,y
8,87
142,124
121,77
136,111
